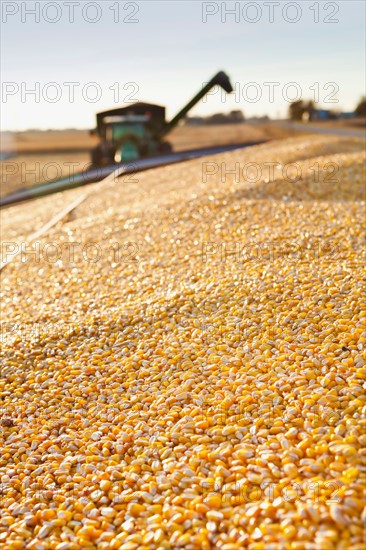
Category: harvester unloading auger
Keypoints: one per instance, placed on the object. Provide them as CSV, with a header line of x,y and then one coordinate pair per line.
x,y
138,131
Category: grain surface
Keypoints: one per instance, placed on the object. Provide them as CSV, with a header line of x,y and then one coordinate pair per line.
x,y
196,379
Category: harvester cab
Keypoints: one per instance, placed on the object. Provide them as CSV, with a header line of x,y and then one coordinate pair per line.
x,y
138,130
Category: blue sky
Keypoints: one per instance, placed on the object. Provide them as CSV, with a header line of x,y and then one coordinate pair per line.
x,y
166,55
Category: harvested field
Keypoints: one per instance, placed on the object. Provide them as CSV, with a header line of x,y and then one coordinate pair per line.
x,y
43,156
343,123
43,142
37,141
192,375
28,170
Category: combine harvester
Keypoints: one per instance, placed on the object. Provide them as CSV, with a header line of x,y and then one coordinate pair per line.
x,y
138,131
132,139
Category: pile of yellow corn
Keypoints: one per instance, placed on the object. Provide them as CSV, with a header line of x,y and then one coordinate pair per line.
x,y
192,375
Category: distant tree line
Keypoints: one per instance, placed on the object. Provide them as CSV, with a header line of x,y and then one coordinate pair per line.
x,y
233,117
307,110
360,110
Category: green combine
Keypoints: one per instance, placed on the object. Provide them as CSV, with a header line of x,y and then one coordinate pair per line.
x,y
137,131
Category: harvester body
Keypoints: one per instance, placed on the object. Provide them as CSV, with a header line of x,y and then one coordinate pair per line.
x,y
138,130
